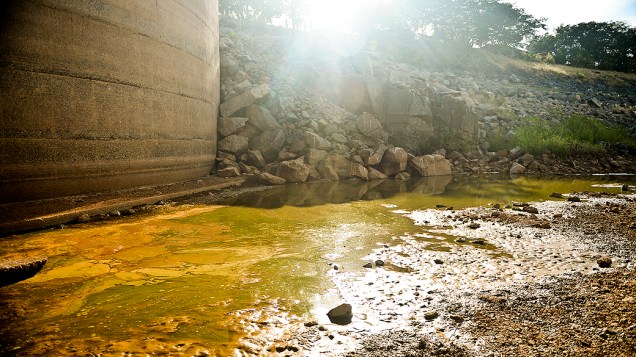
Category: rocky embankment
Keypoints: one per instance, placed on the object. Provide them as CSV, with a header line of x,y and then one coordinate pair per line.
x,y
296,107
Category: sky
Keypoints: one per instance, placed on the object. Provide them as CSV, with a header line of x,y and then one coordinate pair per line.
x,y
571,12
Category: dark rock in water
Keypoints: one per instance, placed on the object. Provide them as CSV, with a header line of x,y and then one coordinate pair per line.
x,y
556,195
625,188
341,315
368,265
311,323
574,199
438,261
84,218
379,263
14,271
604,262
474,225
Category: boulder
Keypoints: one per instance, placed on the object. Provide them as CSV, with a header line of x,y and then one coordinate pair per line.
x,y
255,158
313,156
369,126
517,169
327,171
340,164
431,165
316,141
394,161
230,171
244,100
15,270
293,171
358,171
229,126
341,315
269,179
375,174
233,144
261,118
269,144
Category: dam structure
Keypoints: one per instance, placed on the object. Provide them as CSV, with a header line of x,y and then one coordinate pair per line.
x,y
106,94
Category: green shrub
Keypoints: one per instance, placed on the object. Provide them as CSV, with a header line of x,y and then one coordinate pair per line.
x,y
576,134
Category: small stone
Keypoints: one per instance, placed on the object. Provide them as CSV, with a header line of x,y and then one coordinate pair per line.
x,y
457,318
438,261
311,323
474,225
83,218
556,195
379,263
604,262
531,209
574,199
368,265
431,315
478,241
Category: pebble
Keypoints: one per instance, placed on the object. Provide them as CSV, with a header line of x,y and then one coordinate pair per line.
x,y
379,263
84,218
574,199
431,315
474,225
438,261
604,262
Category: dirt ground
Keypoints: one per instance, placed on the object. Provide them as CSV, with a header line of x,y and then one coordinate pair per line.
x,y
548,297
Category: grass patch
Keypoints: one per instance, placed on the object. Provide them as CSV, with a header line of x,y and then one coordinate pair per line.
x,y
575,135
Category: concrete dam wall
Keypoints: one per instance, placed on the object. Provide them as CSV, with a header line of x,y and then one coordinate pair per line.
x,y
106,94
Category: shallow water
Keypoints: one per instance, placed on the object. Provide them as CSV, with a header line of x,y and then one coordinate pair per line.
x,y
192,278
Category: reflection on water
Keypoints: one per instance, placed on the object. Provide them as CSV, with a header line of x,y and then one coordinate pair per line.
x,y
199,277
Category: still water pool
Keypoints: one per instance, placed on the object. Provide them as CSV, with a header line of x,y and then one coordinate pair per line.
x,y
198,277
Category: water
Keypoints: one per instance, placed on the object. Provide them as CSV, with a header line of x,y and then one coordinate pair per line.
x,y
198,278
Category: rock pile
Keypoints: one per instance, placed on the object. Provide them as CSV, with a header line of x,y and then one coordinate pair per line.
x,y
296,107
287,129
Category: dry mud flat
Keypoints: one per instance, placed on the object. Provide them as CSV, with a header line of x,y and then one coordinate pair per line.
x,y
522,280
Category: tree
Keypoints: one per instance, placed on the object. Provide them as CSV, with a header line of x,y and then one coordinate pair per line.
x,y
255,10
602,45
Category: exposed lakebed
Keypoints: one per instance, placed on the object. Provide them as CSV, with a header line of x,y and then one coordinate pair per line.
x,y
210,276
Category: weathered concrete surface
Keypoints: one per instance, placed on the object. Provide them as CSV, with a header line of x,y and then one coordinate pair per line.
x,y
106,94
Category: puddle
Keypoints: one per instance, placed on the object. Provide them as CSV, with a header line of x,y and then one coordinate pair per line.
x,y
205,278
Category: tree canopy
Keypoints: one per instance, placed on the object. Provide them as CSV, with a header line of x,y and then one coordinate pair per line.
x,y
602,45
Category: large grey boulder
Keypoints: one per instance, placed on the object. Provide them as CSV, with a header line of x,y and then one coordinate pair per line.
x,y
269,144
394,161
341,165
244,100
313,156
255,158
233,144
229,126
293,171
369,126
269,179
316,141
375,174
261,118
358,171
431,165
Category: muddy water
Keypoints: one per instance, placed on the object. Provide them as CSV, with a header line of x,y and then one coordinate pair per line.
x,y
198,278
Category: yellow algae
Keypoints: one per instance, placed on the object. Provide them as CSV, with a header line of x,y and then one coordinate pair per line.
x,y
139,253
85,269
161,272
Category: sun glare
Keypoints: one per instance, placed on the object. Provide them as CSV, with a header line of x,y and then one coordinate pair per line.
x,y
337,15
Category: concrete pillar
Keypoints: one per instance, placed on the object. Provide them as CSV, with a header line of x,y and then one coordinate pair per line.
x,y
105,94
